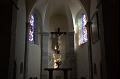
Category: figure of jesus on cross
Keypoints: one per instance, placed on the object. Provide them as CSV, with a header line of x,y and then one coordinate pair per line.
x,y
57,35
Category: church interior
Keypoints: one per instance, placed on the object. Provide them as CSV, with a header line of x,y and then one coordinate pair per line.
x,y
59,39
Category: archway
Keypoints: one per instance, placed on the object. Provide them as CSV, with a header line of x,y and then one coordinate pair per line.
x,y
52,18
59,17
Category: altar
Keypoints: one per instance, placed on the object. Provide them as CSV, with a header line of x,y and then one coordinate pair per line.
x,y
64,70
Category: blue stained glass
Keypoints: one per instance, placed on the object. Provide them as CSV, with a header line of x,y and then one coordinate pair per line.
x,y
84,30
31,28
32,20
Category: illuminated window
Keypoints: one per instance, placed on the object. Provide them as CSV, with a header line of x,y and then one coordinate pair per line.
x,y
82,29
31,28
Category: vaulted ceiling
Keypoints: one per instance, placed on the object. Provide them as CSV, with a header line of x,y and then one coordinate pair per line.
x,y
68,8
58,5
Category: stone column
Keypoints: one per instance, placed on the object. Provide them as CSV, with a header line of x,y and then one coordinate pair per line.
x,y
44,59
70,58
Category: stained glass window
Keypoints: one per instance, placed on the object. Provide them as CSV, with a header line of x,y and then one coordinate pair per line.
x,y
31,28
82,29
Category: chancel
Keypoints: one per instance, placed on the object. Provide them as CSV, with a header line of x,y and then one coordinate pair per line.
x,y
47,39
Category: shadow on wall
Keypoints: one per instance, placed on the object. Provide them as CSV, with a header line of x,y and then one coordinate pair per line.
x,y
83,78
33,78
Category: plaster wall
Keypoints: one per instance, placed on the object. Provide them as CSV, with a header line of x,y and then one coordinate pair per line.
x,y
20,37
96,50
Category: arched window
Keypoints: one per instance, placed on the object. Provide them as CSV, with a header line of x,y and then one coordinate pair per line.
x,y
31,28
81,26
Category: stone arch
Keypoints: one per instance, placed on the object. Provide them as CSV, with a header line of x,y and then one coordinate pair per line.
x,y
29,5
63,11
79,14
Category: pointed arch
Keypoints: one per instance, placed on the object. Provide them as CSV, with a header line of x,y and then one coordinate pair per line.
x,y
29,6
63,10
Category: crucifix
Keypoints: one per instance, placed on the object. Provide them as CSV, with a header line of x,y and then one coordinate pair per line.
x,y
57,55
57,34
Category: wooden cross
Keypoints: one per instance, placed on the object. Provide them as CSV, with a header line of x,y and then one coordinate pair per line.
x,y
58,33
